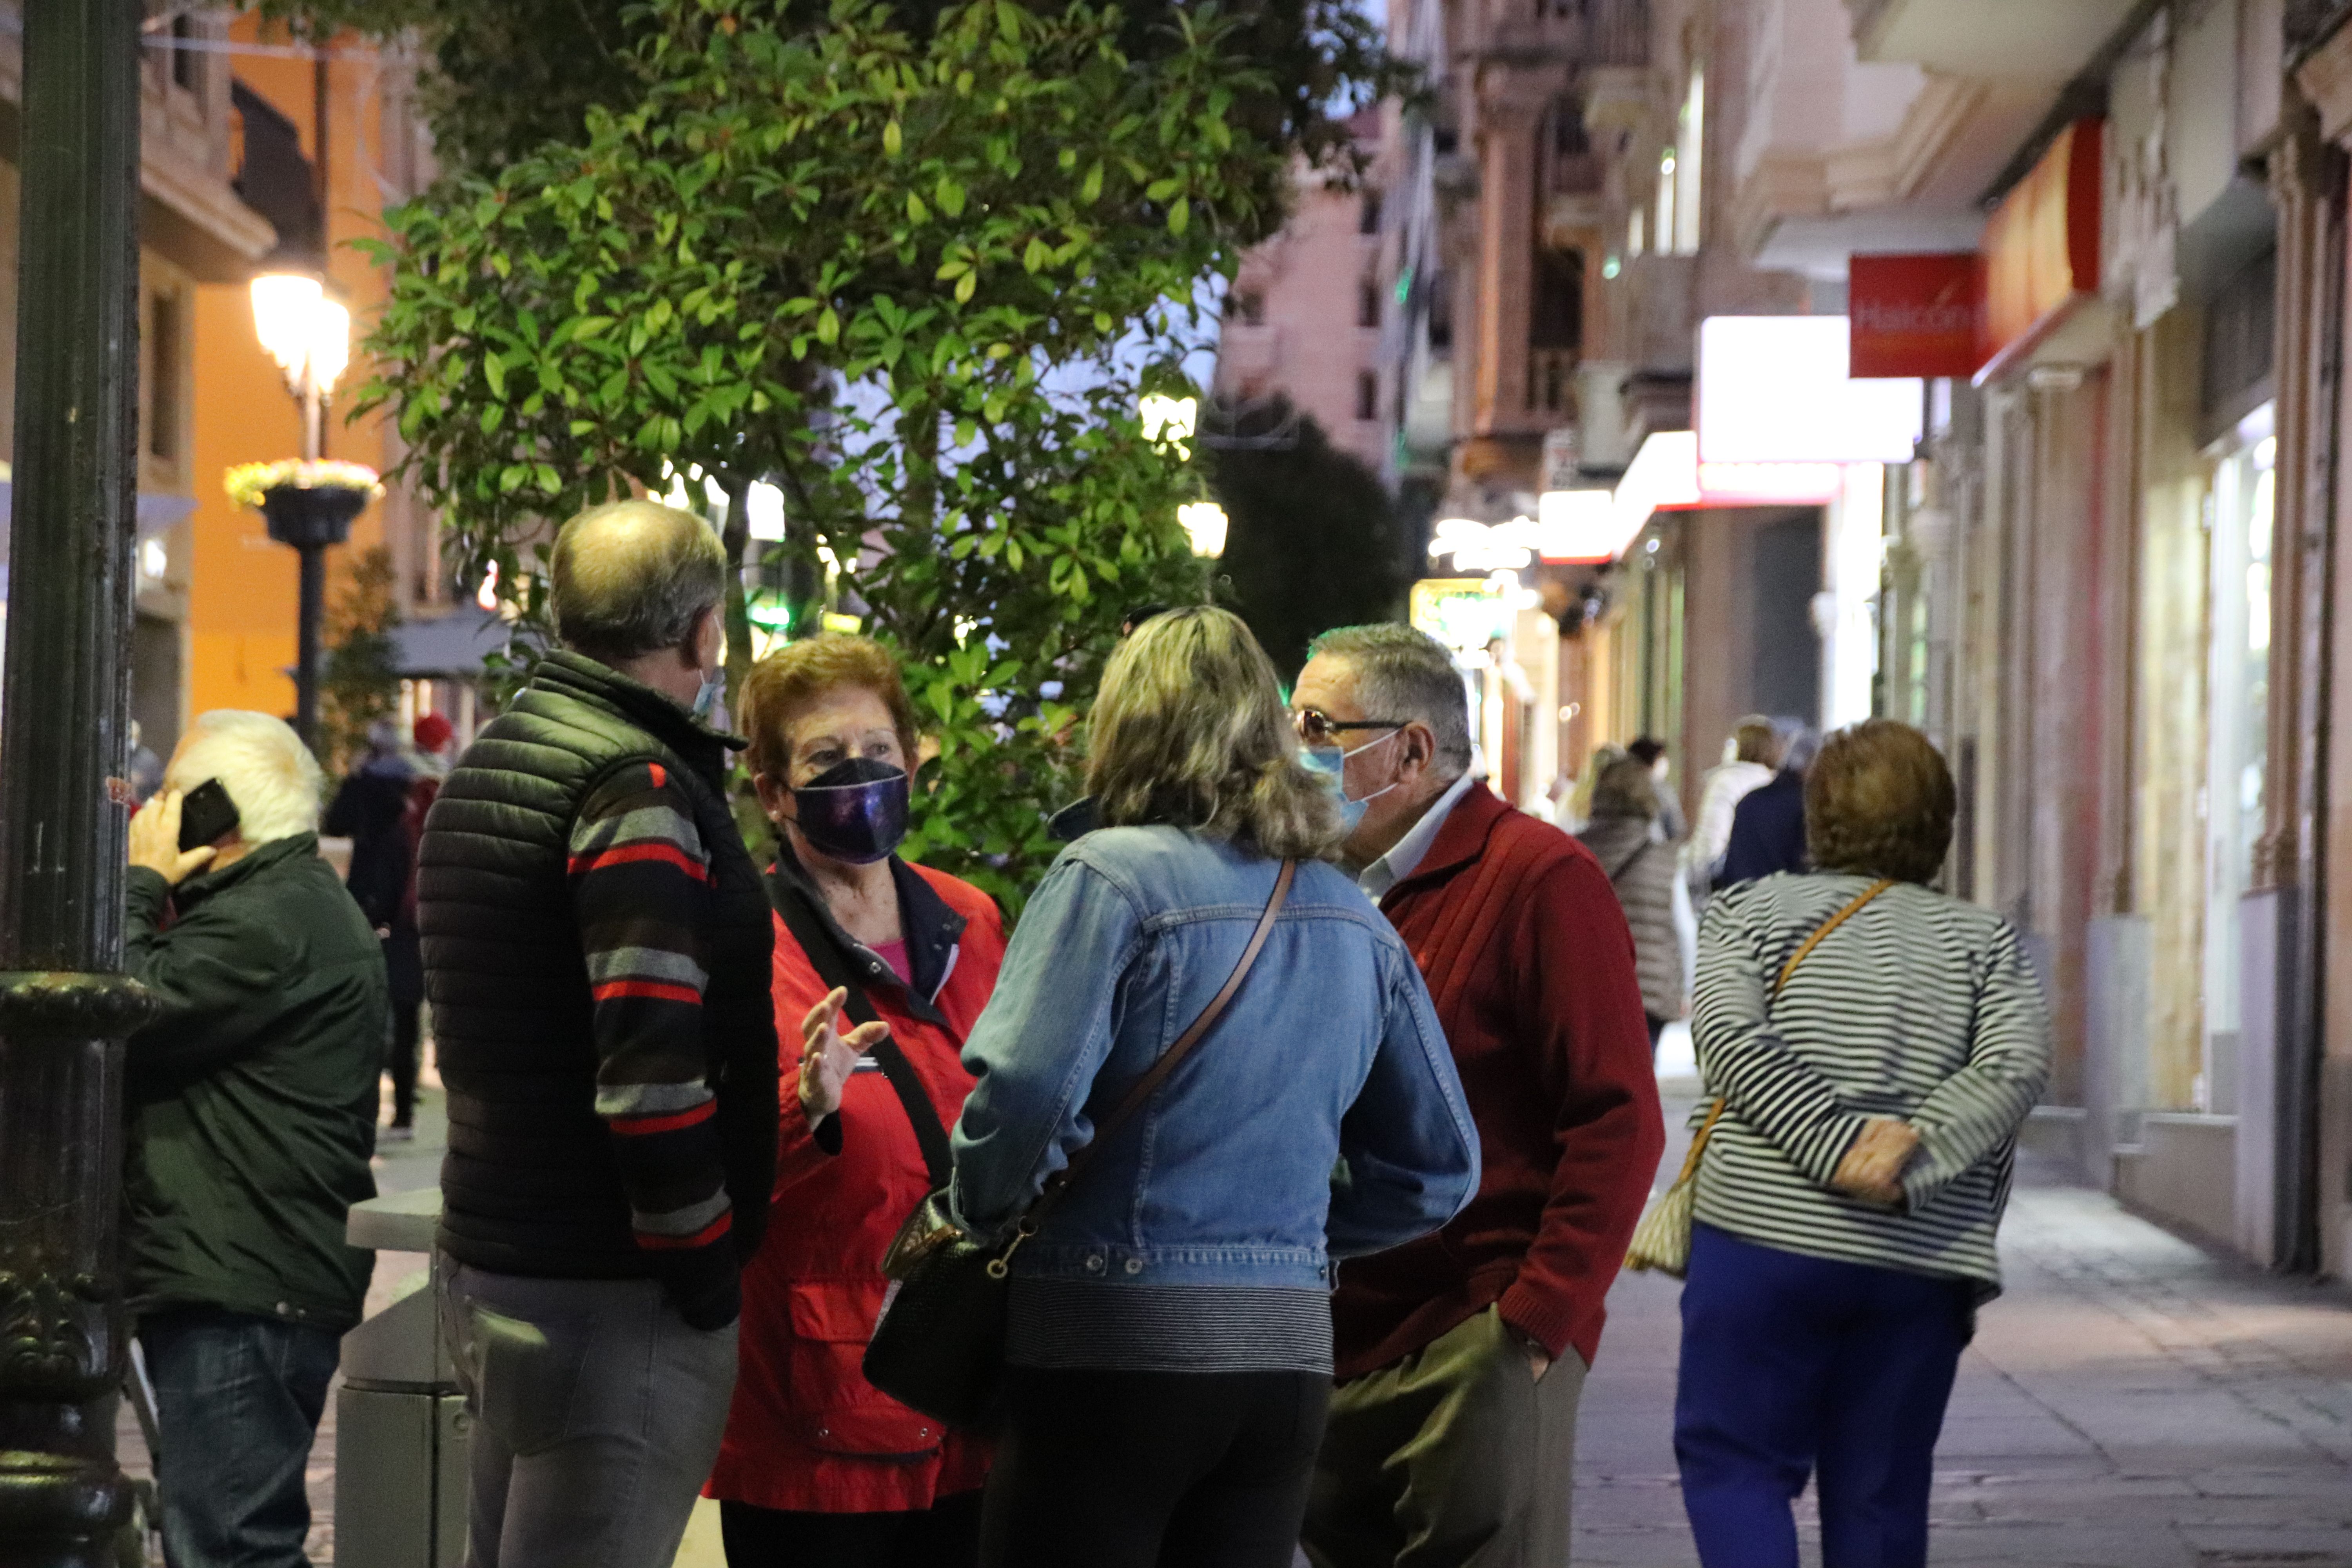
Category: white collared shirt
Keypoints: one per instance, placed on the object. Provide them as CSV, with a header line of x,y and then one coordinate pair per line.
x,y
1404,857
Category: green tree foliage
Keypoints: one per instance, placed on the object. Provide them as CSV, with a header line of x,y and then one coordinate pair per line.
x,y
1313,535
918,281
507,76
360,683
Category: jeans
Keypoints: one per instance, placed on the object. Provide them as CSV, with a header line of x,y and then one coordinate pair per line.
x,y
597,1416
1456,1456
1152,1469
944,1535
237,1400
1796,1366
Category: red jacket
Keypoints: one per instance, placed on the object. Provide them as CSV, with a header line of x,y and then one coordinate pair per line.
x,y
807,1432
1527,955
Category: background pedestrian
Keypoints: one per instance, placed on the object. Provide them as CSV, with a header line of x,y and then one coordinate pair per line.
x,y
1768,825
1626,837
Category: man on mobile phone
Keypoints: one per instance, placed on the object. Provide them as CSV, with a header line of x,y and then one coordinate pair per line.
x,y
251,1107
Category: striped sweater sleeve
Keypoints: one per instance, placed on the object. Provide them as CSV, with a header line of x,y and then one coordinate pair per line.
x,y
1774,1091
1975,1112
640,883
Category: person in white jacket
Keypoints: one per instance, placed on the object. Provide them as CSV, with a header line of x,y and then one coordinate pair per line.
x,y
1751,755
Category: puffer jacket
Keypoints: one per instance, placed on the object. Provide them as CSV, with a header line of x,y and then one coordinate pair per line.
x,y
1641,867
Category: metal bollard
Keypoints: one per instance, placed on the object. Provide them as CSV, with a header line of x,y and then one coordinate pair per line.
x,y
401,1427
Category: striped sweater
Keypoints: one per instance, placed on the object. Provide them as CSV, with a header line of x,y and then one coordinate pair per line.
x,y
640,883
1920,1007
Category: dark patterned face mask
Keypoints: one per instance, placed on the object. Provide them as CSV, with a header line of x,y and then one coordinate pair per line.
x,y
855,811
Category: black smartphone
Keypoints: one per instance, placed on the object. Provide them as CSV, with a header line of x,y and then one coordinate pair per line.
x,y
205,812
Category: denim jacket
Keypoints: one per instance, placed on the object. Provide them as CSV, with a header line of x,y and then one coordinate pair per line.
x,y
1320,1118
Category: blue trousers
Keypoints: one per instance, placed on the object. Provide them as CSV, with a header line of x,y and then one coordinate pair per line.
x,y
1795,1367
237,1401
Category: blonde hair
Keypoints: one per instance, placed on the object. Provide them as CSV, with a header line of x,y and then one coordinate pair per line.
x,y
270,775
1189,732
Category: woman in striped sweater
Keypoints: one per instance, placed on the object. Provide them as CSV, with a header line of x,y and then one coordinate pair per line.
x,y
1847,1201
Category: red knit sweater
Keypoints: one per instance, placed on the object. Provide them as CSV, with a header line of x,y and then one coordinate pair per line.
x,y
1517,932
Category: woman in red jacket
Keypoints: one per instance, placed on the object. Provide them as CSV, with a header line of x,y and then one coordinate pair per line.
x,y
820,1470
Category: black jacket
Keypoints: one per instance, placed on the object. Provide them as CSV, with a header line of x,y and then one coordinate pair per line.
x,y
529,1186
251,1100
1768,832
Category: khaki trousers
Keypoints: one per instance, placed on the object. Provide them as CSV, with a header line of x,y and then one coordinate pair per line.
x,y
1455,1457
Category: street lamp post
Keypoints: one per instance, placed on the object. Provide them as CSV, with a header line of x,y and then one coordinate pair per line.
x,y
65,1007
309,336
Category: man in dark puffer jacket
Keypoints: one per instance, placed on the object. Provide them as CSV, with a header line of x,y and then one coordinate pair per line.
x,y
596,951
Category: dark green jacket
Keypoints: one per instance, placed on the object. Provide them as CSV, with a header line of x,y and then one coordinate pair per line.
x,y
252,1099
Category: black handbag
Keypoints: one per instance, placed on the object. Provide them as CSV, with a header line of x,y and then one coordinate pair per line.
x,y
940,1345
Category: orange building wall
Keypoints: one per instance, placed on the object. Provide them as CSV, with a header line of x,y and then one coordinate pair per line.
x,y
243,589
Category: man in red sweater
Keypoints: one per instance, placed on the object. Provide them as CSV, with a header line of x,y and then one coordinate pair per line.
x,y
1461,1356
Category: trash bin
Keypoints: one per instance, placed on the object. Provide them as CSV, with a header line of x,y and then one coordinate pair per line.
x,y
401,1424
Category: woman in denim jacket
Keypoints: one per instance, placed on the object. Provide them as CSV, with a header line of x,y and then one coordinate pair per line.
x,y
1170,1348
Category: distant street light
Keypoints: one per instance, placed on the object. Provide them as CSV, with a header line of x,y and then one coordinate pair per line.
x,y
1205,521
309,336
1169,421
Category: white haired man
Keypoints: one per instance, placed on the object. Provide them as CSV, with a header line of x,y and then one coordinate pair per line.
x,y
251,1108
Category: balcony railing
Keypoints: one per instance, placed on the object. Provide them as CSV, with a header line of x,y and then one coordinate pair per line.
x,y
1574,174
2310,23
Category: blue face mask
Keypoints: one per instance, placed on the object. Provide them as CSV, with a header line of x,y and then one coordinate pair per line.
x,y
1330,764
710,699
855,811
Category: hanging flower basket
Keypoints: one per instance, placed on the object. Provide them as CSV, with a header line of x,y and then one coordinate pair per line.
x,y
307,504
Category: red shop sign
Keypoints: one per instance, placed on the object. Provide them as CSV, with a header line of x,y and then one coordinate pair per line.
x,y
2042,248
1915,315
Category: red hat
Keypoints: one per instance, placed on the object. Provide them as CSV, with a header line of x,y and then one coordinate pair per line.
x,y
433,731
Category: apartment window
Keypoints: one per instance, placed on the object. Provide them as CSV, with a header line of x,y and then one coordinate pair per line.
x,y
1555,320
166,364
1367,302
1249,306
188,68
1368,215
1367,394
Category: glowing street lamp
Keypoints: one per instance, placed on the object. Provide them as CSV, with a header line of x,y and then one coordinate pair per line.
x,y
309,336
1205,522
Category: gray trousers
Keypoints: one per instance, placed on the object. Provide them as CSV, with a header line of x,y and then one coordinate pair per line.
x,y
597,1418
1455,1457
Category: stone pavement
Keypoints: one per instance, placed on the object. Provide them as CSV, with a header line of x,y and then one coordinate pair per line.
x,y
2131,1402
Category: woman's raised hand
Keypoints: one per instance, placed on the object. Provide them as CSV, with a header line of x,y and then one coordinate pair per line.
x,y
828,1056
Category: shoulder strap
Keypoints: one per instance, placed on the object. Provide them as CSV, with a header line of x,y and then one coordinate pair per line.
x,y
1826,927
825,957
1715,1113
1627,864
1149,1084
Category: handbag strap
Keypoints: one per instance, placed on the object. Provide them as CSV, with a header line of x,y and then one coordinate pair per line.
x,y
1715,1113
826,957
1170,1059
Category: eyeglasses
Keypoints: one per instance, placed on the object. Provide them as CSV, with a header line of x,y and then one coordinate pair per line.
x,y
1318,728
